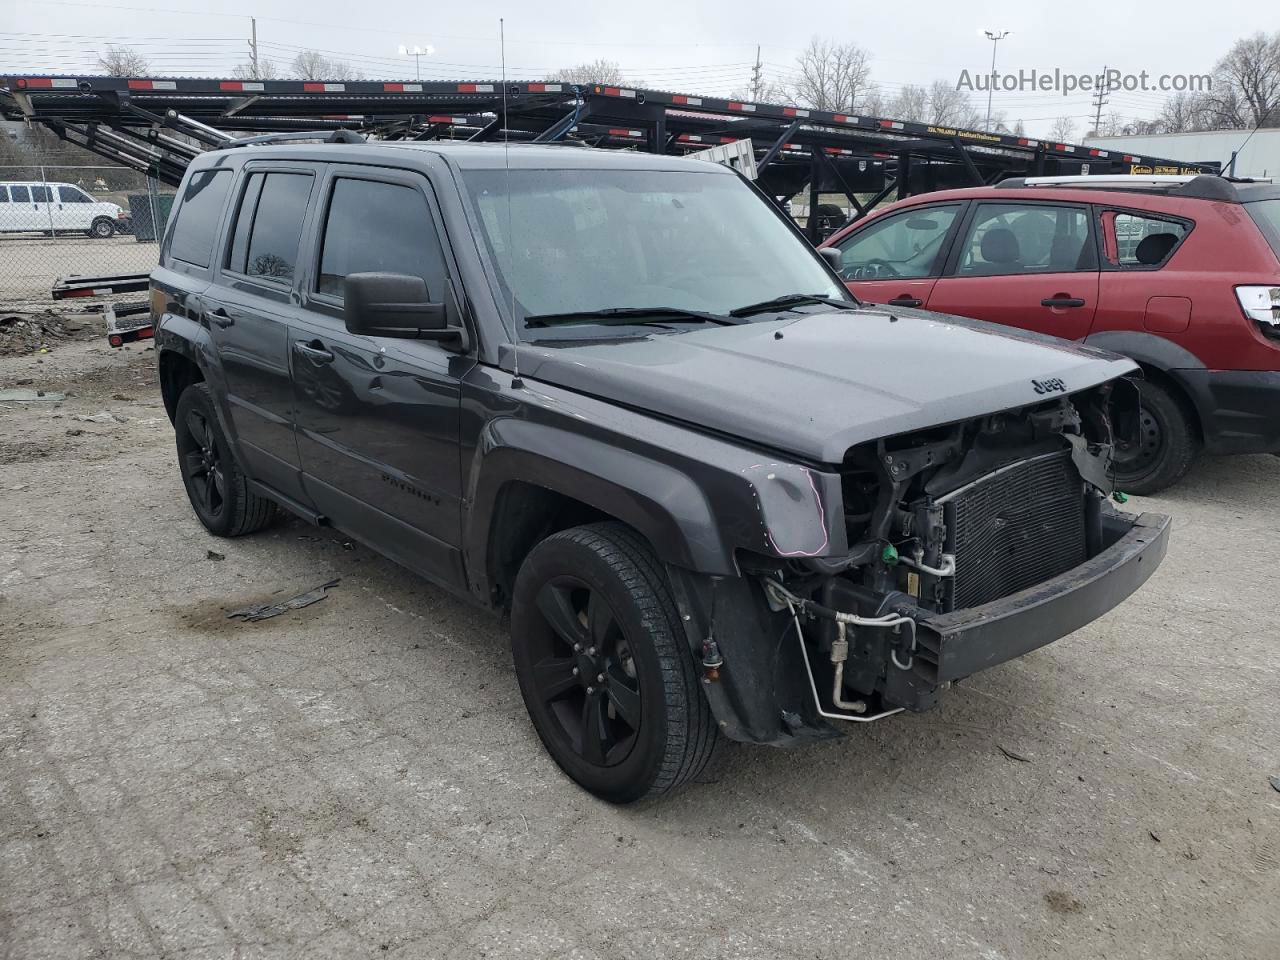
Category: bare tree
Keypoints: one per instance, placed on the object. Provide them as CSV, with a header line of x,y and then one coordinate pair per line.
x,y
264,70
1062,129
909,103
832,76
1019,129
1183,113
1246,89
597,71
123,62
949,107
313,65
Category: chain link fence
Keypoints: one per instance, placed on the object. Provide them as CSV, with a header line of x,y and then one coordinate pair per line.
x,y
60,220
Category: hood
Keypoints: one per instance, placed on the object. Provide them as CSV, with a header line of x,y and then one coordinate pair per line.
x,y
816,384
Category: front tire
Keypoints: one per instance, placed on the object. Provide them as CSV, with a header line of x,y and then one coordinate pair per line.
x,y
1167,443
218,489
604,666
102,229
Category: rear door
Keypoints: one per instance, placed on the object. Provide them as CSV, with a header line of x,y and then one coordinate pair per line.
x,y
42,206
22,214
249,309
1026,264
378,417
895,259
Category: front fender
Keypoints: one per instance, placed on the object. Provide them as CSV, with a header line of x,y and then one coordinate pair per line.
x,y
698,500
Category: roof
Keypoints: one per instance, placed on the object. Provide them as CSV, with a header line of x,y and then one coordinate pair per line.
x,y
473,156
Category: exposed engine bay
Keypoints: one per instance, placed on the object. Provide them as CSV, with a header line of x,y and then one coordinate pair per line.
x,y
940,523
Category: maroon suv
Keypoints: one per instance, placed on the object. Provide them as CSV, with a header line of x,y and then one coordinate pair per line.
x,y
1180,273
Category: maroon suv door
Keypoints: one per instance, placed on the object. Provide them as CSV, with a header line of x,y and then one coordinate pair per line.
x,y
1025,264
895,259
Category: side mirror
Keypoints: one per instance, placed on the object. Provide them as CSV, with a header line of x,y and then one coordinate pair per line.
x,y
393,305
833,258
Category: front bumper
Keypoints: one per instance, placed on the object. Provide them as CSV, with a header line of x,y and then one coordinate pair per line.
x,y
1238,409
955,645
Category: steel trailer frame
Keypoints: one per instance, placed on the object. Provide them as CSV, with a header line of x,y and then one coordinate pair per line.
x,y
142,123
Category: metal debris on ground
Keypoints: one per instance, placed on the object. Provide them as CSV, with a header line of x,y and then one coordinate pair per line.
x,y
215,555
267,610
1013,756
27,395
1275,783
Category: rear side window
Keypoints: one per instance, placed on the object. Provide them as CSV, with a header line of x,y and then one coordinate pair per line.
x,y
41,194
1010,238
4,194
382,227
1135,240
21,195
198,217
72,195
269,225
1266,214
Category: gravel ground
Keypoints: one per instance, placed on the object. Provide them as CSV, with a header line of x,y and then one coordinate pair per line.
x,y
358,778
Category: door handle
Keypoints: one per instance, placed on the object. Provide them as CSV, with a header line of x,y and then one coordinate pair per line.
x,y
905,301
220,318
1062,301
314,350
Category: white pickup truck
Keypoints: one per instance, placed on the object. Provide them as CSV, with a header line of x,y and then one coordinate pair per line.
x,y
35,206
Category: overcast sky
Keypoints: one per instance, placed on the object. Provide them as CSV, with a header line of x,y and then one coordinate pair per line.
x,y
705,47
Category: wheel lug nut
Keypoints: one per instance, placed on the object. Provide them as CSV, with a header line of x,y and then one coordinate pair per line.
x,y
591,651
600,678
577,647
575,671
591,690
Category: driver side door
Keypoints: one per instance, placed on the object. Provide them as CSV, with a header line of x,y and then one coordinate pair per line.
x,y
896,259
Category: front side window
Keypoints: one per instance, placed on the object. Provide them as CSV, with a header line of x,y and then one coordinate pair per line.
x,y
198,217
383,228
1013,238
903,245
1135,240
41,194
585,240
73,195
269,226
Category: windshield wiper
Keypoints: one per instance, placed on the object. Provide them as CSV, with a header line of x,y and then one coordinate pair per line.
x,y
792,300
629,315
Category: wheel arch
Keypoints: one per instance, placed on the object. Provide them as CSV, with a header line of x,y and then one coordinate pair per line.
x,y
1161,362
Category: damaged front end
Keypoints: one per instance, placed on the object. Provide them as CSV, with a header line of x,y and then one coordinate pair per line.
x,y
970,544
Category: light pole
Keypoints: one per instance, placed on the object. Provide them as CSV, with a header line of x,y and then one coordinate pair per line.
x,y
995,39
416,52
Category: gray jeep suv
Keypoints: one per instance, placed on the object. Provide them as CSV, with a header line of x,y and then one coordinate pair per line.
x,y
619,398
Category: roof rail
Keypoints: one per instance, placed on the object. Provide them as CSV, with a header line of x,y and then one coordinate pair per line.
x,y
1201,186
333,136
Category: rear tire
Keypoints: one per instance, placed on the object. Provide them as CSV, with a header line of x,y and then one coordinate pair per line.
x,y
1167,444
646,727
217,487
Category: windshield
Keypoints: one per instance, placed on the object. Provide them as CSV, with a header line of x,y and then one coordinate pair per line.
x,y
591,240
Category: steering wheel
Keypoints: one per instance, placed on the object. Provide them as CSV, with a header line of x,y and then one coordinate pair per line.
x,y
877,269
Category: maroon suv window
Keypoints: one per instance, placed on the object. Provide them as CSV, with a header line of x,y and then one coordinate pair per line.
x,y
1137,241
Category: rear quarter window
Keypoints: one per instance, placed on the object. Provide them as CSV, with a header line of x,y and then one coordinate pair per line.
x,y
198,217
1266,214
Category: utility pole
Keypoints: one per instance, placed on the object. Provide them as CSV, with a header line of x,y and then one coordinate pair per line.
x,y
1100,103
995,39
755,76
253,47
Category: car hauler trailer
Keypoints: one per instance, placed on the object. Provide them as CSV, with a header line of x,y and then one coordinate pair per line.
x,y
135,121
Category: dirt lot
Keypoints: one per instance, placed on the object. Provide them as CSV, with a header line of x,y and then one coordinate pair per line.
x,y
358,778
